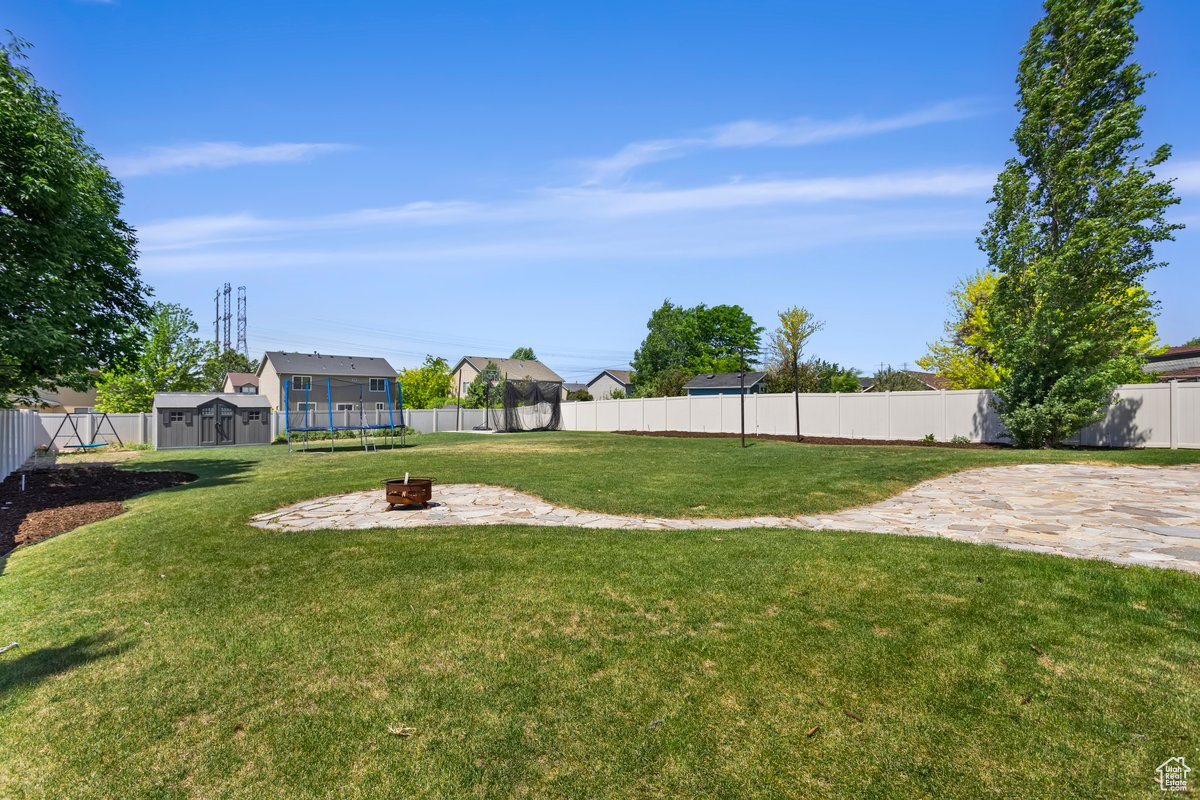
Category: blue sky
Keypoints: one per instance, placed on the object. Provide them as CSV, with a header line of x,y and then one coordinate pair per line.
x,y
471,177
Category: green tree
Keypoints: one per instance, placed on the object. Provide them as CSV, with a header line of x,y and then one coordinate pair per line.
x,y
218,365
72,296
524,354
579,395
1075,222
428,385
171,360
683,342
963,356
1193,343
833,377
785,347
888,379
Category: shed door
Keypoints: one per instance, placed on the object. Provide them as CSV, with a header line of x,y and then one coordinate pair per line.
x,y
208,427
225,424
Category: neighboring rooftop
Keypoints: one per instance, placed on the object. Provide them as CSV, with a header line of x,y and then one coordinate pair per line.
x,y
620,375
512,368
242,378
575,387
191,399
322,364
928,378
724,380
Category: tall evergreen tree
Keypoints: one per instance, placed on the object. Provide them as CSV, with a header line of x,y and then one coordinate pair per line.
x,y
1075,222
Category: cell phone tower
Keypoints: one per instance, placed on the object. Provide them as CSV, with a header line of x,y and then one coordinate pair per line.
x,y
228,318
241,322
217,319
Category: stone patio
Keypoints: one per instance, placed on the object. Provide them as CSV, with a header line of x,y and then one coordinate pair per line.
x,y
1129,515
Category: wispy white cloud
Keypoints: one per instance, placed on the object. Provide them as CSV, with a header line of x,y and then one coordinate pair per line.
x,y
1186,174
755,133
577,206
215,155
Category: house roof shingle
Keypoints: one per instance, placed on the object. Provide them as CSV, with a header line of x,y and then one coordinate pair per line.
x,y
242,378
723,380
322,364
512,368
619,375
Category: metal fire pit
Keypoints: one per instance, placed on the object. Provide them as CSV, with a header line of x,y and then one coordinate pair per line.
x,y
417,492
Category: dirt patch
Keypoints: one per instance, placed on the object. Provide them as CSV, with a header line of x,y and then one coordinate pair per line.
x,y
819,440
59,500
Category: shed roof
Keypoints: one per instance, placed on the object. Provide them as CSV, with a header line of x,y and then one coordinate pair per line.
x,y
194,399
512,367
322,364
724,380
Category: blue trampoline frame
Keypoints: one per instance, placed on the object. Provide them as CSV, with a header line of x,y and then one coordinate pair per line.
x,y
362,427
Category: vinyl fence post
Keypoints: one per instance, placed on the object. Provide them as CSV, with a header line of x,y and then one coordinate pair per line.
x,y
887,410
1174,415
945,421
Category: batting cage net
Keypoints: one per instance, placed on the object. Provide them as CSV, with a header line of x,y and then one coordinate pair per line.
x,y
530,406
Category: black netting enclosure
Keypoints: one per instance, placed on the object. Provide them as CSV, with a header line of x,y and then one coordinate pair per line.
x,y
530,406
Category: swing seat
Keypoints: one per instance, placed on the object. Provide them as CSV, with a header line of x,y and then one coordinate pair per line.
x,y
96,444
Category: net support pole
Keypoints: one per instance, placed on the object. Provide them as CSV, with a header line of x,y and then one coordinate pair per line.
x,y
287,420
329,405
391,419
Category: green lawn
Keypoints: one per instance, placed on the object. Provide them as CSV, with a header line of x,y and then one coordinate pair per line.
x,y
177,652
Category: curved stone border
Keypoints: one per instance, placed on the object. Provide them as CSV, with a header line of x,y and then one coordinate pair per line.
x,y
1133,515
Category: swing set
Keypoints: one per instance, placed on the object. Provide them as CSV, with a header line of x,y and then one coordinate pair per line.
x,y
97,430
303,422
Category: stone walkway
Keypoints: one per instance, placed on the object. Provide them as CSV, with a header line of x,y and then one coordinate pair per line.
x,y
1131,515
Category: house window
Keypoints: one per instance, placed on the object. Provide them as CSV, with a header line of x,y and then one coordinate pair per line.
x,y
207,411
381,406
249,389
253,416
175,416
301,382
306,406
378,384
345,406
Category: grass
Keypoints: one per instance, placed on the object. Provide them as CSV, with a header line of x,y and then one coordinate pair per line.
x,y
177,652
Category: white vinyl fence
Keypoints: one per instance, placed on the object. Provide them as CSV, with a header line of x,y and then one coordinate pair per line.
x,y
18,438
1143,415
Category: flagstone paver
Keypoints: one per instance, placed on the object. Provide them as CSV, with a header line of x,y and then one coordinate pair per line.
x,y
1131,515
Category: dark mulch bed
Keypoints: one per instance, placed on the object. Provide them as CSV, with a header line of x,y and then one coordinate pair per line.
x,y
819,440
59,500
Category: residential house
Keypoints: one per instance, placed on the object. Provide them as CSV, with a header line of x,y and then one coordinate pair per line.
x,y
63,399
725,383
928,381
316,380
469,367
1177,364
241,383
603,385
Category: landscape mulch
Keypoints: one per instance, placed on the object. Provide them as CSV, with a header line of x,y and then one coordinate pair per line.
x,y
59,500
820,439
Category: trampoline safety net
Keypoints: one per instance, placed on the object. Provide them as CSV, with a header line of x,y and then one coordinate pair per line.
x,y
529,406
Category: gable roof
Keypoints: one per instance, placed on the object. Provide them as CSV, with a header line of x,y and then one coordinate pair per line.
x,y
321,364
511,367
193,399
724,380
618,375
575,387
242,378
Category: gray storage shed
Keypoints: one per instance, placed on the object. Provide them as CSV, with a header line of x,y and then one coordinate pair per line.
x,y
210,419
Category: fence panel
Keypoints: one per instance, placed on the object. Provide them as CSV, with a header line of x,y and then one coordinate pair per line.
x,y
18,438
655,413
1186,429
